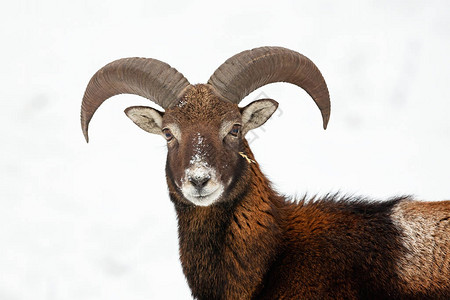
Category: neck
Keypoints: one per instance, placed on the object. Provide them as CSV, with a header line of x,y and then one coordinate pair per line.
x,y
227,248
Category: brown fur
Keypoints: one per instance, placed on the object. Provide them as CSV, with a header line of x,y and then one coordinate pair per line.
x,y
226,249
238,238
254,244
200,110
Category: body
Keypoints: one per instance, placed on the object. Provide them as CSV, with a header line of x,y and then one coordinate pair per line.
x,y
238,238
268,247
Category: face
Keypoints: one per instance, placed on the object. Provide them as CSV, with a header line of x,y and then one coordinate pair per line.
x,y
203,148
204,137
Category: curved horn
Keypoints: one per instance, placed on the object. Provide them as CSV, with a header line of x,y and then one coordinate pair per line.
x,y
245,72
146,77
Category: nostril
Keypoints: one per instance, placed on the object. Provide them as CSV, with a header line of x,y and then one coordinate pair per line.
x,y
199,182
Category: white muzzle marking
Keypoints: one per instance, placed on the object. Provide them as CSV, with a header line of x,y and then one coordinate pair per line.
x,y
200,184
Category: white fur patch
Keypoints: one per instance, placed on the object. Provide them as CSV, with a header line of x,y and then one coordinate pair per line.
x,y
425,265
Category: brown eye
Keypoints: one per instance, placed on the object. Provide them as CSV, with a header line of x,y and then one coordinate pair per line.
x,y
167,134
235,130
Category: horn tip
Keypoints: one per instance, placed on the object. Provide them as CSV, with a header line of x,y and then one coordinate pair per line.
x,y
84,128
86,136
326,118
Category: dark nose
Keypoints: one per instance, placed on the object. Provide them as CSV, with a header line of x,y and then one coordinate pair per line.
x,y
199,182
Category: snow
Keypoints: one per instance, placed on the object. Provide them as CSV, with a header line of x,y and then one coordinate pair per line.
x,y
93,221
198,157
182,103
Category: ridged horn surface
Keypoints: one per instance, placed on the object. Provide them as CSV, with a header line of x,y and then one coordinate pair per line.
x,y
146,77
245,72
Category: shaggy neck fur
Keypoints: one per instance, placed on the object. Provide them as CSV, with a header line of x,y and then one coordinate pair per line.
x,y
257,245
226,249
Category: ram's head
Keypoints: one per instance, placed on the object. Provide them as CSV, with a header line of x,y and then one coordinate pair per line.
x,y
203,125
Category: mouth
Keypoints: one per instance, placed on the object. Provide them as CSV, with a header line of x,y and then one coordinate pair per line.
x,y
201,199
200,195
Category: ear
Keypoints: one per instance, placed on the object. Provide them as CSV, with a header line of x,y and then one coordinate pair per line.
x,y
146,118
257,113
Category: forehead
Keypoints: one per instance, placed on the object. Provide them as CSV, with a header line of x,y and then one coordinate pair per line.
x,y
201,106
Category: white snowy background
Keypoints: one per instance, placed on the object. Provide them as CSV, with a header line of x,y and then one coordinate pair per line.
x,y
93,221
